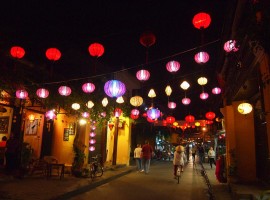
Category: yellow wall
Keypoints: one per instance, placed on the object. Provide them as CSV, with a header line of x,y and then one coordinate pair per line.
x,y
9,114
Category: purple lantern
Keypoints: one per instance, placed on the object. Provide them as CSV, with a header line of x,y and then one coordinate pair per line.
x,y
88,87
153,113
114,88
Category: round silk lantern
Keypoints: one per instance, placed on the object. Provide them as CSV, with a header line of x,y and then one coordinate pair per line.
x,y
186,101
50,114
135,112
53,54
134,116
17,52
244,108
201,20
85,114
143,75
117,112
96,50
136,101
201,57
190,118
210,115
171,105
147,39
75,106
202,81
114,88
230,46
153,113
64,90
21,94
88,87
42,93
204,95
173,66
92,141
92,148
92,134
216,90
170,119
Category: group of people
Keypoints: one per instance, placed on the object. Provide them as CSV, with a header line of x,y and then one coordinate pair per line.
x,y
143,157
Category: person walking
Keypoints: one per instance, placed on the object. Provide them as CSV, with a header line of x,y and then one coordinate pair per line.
x,y
201,153
178,160
137,156
211,156
147,151
193,152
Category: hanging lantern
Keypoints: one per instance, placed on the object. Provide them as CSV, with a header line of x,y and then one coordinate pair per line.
x,y
244,108
171,105
92,141
92,148
175,124
147,39
202,81
104,101
17,52
42,93
143,75
210,115
170,119
31,117
75,106
136,101
204,95
64,90
190,118
230,46
134,116
150,120
144,114
53,54
21,94
153,113
85,114
135,112
152,93
96,50
88,87
173,66
197,123
92,134
114,88
184,85
186,101
90,104
216,90
117,112
201,57
50,114
120,100
168,90
201,20
103,114
208,122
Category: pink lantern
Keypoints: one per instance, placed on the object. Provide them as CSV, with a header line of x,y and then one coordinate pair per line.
x,y
92,148
92,134
143,75
42,93
173,66
230,46
53,54
135,112
153,113
17,52
88,87
186,101
117,112
190,118
201,57
85,114
64,90
216,90
103,114
50,115
204,95
114,88
170,119
171,105
92,141
21,94
210,115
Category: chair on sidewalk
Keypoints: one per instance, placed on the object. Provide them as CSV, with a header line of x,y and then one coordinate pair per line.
x,y
38,166
51,160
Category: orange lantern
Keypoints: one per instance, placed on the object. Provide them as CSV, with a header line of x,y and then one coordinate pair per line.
x,y
96,50
17,52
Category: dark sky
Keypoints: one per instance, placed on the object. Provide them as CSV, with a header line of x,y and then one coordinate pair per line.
x,y
72,26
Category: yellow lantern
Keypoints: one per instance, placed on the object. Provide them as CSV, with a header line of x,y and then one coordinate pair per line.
x,y
120,100
168,90
175,123
105,102
75,106
136,101
202,81
152,93
31,117
90,104
197,123
244,108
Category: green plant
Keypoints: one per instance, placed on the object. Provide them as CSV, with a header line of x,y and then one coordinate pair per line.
x,y
78,158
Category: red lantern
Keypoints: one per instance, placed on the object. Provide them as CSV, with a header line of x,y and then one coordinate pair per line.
x,y
64,90
186,101
170,119
117,112
171,105
17,52
134,116
230,46
150,120
143,75
147,39
173,66
144,114
114,88
210,115
201,20
88,87
53,54
135,112
21,94
201,57
204,95
209,122
190,118
96,50
42,93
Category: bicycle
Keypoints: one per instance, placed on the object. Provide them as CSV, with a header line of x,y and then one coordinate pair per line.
x,y
95,169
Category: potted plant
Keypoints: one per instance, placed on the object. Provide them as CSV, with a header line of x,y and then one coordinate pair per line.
x,y
78,161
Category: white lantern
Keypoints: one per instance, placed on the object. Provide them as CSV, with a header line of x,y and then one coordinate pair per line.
x,y
244,108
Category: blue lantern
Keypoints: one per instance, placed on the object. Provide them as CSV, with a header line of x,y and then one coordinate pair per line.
x,y
114,88
153,113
